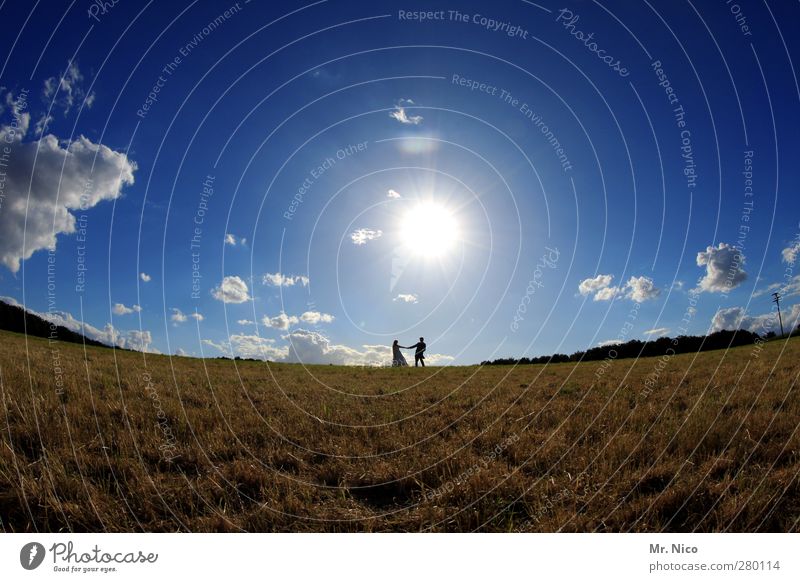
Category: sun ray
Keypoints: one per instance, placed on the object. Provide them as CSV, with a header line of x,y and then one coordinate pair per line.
x,y
429,230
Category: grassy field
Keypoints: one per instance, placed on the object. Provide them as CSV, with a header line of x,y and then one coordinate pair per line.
x,y
97,439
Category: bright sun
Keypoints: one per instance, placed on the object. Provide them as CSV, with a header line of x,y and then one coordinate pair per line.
x,y
429,229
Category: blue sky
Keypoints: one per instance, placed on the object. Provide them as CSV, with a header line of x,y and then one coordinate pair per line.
x,y
515,179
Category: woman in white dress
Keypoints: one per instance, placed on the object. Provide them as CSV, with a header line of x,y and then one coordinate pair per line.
x,y
398,359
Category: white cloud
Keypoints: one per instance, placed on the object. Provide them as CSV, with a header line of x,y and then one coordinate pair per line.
x,y
606,293
641,289
315,317
224,348
139,340
606,343
283,321
68,89
67,176
232,290
400,114
659,331
311,347
41,125
233,240
145,277
393,194
121,309
789,254
250,346
724,270
177,315
637,289
788,288
363,235
253,346
588,286
281,280
280,321
406,298
245,322
11,301
181,352
737,318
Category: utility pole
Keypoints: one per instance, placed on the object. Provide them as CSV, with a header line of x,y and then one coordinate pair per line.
x,y
777,301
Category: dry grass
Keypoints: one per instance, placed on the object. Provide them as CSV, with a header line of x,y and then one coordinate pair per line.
x,y
260,447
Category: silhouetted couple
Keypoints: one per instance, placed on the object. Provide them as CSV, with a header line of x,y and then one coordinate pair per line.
x,y
398,359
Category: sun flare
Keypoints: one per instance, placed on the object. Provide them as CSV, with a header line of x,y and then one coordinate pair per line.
x,y
429,229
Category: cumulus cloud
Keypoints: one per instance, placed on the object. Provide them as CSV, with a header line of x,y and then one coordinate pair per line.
x,y
311,347
606,293
789,254
219,346
733,318
253,346
245,322
250,346
724,270
315,317
281,280
121,309
393,194
364,235
283,321
139,340
177,315
641,289
145,277
406,298
589,286
400,114
38,200
280,321
233,289
67,90
637,289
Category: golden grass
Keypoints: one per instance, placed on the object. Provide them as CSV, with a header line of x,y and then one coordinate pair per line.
x,y
259,447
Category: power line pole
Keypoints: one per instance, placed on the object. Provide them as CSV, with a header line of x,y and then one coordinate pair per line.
x,y
777,301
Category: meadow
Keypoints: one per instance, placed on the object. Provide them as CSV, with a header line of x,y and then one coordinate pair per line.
x,y
95,439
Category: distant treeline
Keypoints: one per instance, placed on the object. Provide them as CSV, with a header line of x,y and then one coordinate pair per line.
x,y
638,349
16,319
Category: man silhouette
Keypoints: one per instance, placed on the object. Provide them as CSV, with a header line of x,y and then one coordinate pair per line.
x,y
419,352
